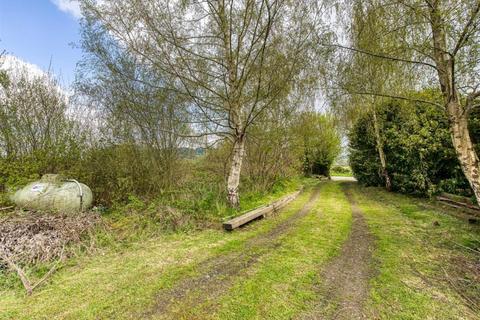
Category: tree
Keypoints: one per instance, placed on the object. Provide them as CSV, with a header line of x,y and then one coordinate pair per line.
x,y
33,116
3,73
232,59
267,162
133,108
367,31
38,134
439,38
320,142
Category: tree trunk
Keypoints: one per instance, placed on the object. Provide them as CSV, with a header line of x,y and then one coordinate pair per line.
x,y
463,145
233,180
457,115
381,153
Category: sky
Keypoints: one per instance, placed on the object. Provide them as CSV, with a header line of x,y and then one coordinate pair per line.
x,y
41,33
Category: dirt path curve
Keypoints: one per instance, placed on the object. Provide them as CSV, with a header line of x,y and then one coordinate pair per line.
x,y
345,279
218,273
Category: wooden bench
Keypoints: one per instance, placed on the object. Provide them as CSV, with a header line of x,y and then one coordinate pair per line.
x,y
260,212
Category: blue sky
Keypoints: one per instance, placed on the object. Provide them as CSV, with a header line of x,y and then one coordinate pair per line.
x,y
41,32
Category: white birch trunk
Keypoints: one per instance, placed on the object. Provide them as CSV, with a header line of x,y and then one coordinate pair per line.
x,y
457,115
464,147
233,180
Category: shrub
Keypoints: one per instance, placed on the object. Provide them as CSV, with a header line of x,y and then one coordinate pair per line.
x,y
341,170
420,156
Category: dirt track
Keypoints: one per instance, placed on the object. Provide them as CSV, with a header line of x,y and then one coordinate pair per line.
x,y
344,281
218,273
344,287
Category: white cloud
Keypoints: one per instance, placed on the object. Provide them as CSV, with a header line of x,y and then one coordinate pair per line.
x,y
14,66
17,68
69,6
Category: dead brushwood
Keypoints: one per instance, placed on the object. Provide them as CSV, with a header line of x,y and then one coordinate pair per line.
x,y
28,238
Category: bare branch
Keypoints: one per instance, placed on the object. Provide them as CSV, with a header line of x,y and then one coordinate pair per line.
x,y
383,56
466,30
385,95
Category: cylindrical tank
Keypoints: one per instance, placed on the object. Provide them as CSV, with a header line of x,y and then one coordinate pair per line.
x,y
53,193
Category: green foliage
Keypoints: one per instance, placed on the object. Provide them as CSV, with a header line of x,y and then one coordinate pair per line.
x,y
18,171
343,171
4,80
268,163
118,171
364,159
320,141
36,134
420,156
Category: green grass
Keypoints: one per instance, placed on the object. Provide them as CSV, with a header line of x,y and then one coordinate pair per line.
x,y
137,220
122,283
253,200
283,285
341,174
416,250
341,171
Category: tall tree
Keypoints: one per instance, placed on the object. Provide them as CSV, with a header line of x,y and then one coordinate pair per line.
x,y
320,141
366,31
232,59
132,105
33,115
439,40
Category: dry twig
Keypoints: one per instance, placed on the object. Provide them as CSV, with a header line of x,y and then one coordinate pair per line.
x,y
23,277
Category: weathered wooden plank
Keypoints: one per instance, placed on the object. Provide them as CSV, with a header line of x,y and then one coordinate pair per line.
x,y
259,212
457,198
458,204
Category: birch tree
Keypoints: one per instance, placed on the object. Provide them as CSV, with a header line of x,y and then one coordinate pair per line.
x,y
366,31
232,59
438,40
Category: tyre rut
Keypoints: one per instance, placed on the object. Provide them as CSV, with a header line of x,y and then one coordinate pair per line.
x,y
345,286
220,271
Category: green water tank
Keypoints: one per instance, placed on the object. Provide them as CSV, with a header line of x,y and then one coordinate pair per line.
x,y
54,193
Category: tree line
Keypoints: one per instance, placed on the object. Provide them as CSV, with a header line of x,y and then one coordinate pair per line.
x,y
163,82
240,79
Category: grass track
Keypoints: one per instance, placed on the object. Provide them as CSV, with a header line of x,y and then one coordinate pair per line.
x,y
415,248
121,285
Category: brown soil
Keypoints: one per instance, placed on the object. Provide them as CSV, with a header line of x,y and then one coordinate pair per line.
x,y
345,280
218,273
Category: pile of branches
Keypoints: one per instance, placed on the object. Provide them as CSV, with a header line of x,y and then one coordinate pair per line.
x,y
28,238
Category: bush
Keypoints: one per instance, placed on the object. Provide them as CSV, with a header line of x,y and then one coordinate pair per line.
x,y
364,159
420,156
318,136
341,170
